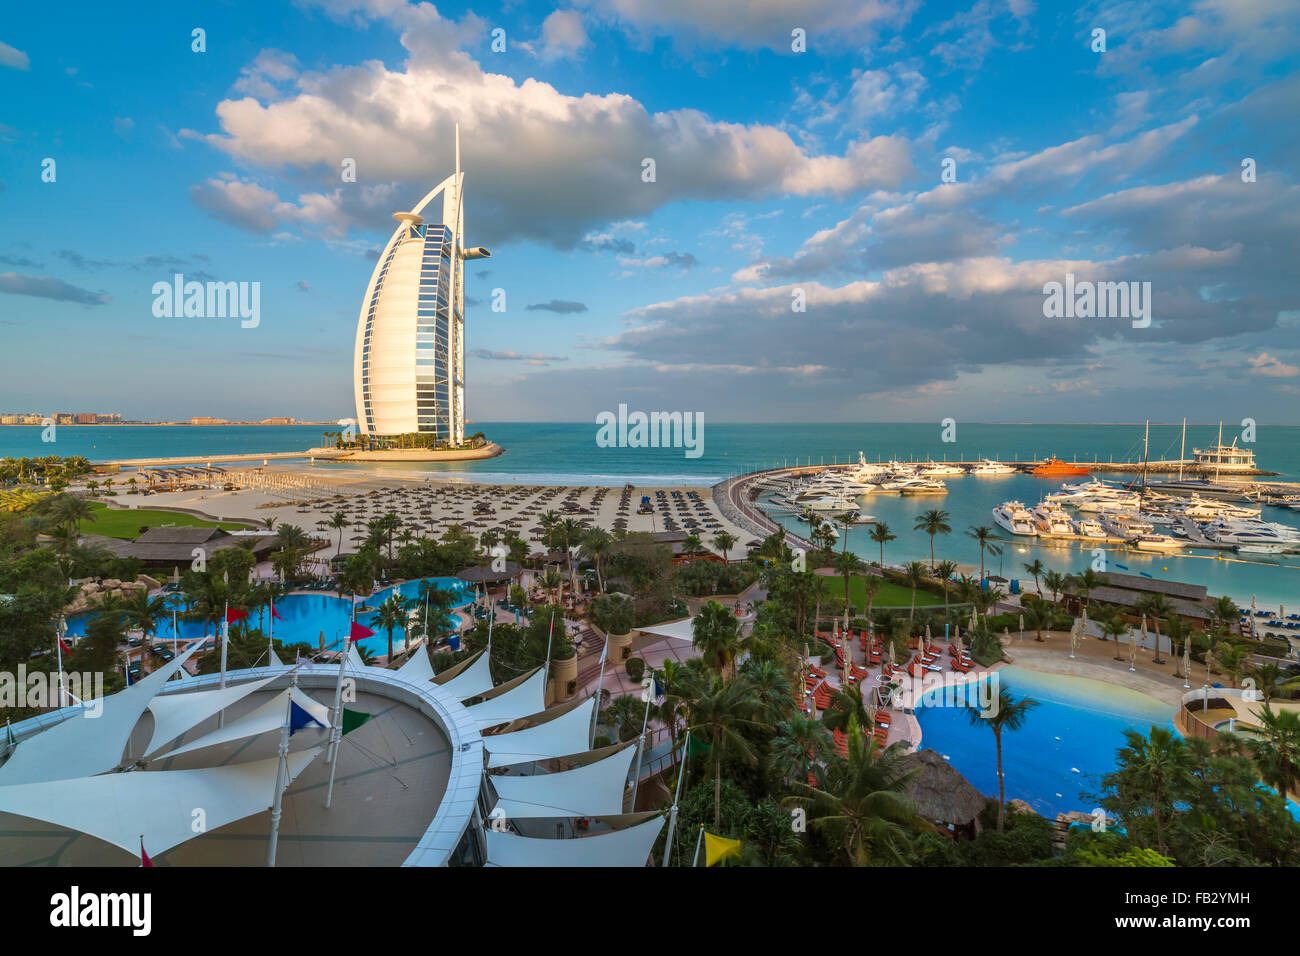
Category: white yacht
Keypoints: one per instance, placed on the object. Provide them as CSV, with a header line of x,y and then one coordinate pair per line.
x,y
1157,542
922,486
941,469
821,502
1126,526
1089,528
1203,509
1015,517
1243,531
989,468
1053,521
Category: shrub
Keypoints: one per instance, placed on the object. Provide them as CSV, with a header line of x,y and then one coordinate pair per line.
x,y
635,669
601,741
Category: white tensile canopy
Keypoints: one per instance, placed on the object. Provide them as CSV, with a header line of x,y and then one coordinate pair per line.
x,y
173,714
527,696
417,668
274,658
683,630
627,847
269,717
588,791
473,680
85,744
354,657
569,733
118,807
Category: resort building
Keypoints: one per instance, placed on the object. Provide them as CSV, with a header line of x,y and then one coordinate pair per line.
x,y
1190,601
409,370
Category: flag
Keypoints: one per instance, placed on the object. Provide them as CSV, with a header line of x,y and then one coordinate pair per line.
x,y
299,718
359,632
658,693
233,615
274,613
352,719
696,746
63,645
144,857
718,848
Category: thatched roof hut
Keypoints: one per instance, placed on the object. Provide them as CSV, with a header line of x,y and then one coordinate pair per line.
x,y
941,794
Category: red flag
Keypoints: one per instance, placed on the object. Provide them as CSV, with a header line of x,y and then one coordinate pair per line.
x,y
144,857
275,614
358,632
64,646
233,615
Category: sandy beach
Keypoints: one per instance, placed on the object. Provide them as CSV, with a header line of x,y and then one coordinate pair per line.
x,y
309,497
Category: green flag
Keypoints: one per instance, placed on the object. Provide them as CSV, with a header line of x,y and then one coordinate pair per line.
x,y
695,746
352,719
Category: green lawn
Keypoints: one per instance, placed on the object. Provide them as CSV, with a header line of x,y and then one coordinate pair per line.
x,y
889,595
127,524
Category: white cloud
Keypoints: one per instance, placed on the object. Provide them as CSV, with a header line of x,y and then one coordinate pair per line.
x,y
9,56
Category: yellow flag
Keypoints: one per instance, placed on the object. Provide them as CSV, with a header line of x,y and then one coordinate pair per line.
x,y
719,848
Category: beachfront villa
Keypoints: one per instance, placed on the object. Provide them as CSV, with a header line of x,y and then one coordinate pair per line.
x,y
409,371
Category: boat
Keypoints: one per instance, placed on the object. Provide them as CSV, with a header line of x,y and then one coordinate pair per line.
x,y
1261,548
1088,528
922,486
1055,468
1015,517
992,469
1053,521
1221,457
938,469
1157,542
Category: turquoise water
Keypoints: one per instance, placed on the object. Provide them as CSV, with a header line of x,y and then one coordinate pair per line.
x,y
308,616
1078,726
566,453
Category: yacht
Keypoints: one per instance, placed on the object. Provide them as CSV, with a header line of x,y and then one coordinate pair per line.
x,y
1013,516
1157,542
1108,502
1201,509
1261,548
1239,531
922,486
825,502
941,469
1126,526
989,468
1089,528
1053,521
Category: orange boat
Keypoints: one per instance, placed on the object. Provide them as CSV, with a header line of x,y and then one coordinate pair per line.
x,y
1055,468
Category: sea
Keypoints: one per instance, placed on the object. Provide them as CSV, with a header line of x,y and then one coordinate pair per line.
x,y
568,454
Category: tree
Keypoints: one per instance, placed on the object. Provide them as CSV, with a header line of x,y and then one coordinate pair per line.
x,y
847,564
1035,568
1056,583
915,574
1179,632
716,636
801,743
1157,607
1039,619
1277,754
339,522
595,543
881,534
1113,625
1006,714
724,541
145,612
1084,583
861,802
983,536
721,711
932,522
944,573
392,614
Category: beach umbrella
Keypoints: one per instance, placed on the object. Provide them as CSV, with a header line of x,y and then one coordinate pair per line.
x,y
1132,652
1074,636
1083,630
1252,602
1144,630
1187,662
1022,627
972,617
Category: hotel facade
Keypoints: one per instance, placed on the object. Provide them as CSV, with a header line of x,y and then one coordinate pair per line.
x,y
409,366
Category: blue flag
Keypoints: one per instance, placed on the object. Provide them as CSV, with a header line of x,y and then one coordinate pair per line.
x,y
659,693
299,718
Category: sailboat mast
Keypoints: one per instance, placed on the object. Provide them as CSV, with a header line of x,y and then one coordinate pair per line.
x,y
1182,450
1146,456
1218,453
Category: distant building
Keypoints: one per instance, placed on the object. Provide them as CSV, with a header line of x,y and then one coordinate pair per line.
x,y
204,420
409,362
174,547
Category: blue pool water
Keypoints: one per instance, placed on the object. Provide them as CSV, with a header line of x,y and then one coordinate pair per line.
x,y
308,616
1078,724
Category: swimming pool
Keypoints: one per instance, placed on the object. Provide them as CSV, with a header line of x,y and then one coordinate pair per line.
x,y
308,616
1066,746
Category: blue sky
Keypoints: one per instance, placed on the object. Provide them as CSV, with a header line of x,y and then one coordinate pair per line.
x,y
776,171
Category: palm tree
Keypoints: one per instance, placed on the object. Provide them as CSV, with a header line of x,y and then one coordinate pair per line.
x,y
871,587
145,612
570,530
552,582
847,707
596,542
880,534
269,523
724,541
1007,714
861,801
1035,568
692,544
720,710
1179,632
801,743
1224,611
847,564
1056,583
1278,754
944,572
1113,625
983,536
1038,618
1157,607
716,636
772,685
932,522
339,522
1084,583
915,574
391,614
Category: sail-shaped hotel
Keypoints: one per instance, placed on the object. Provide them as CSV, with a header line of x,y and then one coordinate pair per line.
x,y
409,368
